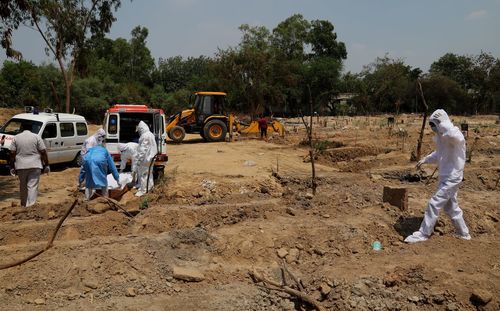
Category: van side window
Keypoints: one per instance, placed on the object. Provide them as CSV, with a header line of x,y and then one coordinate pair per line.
x,y
113,124
81,129
67,129
50,131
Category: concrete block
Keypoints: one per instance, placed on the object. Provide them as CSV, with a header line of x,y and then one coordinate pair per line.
x,y
396,196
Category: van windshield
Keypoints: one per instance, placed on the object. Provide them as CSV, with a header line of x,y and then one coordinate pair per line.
x,y
129,122
16,126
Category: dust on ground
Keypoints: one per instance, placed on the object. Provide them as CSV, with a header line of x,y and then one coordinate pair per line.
x,y
225,209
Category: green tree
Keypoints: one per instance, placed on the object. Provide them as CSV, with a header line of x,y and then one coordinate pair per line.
x,y
91,98
175,73
324,42
245,70
443,92
477,76
456,67
324,65
12,13
64,25
21,84
484,82
141,63
388,83
290,36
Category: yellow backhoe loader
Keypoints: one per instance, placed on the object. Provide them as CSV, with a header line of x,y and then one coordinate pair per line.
x,y
208,118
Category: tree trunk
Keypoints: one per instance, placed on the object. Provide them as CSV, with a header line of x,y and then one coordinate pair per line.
x,y
67,93
56,97
67,83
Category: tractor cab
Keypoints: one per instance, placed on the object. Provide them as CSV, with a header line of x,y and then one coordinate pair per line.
x,y
206,117
207,104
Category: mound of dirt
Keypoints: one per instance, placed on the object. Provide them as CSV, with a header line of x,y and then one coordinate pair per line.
x,y
225,209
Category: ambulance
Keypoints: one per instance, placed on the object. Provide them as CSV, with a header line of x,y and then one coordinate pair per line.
x,y
120,124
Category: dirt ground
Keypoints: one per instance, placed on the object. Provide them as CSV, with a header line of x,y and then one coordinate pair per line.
x,y
226,209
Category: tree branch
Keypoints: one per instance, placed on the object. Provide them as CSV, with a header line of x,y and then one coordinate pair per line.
x,y
275,286
35,21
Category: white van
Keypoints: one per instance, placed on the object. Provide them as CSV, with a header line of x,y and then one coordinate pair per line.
x,y
63,135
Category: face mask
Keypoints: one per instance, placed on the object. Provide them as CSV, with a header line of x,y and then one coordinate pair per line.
x,y
433,127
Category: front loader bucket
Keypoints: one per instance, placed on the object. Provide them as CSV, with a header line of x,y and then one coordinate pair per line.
x,y
273,127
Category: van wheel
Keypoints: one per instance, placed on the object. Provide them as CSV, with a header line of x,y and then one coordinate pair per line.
x,y
78,161
177,134
215,130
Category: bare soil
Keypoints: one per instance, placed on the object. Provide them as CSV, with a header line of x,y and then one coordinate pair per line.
x,y
225,209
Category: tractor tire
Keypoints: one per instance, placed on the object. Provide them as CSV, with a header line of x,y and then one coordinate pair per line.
x,y
215,130
177,134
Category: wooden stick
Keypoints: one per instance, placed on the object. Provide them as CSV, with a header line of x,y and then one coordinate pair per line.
x,y
275,286
432,175
49,243
116,204
277,164
283,277
314,185
424,120
469,158
294,278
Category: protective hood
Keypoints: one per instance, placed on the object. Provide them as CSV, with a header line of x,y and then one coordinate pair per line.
x,y
128,147
442,121
100,133
142,128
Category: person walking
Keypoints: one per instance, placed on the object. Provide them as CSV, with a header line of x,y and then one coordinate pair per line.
x,y
450,158
263,127
97,164
145,154
28,158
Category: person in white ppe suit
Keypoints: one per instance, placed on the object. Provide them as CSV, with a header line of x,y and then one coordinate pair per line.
x,y
145,153
128,152
92,141
450,158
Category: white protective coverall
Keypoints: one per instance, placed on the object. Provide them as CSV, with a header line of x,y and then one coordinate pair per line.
x,y
145,153
450,157
92,141
128,152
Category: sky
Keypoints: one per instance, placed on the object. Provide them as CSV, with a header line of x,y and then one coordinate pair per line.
x,y
417,31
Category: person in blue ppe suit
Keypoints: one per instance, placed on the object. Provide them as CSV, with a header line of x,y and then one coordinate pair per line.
x,y
97,164
450,158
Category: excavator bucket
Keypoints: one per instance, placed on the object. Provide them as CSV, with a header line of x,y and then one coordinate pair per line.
x,y
274,126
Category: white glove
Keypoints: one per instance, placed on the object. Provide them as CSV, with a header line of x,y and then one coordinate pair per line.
x,y
46,170
420,163
13,172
